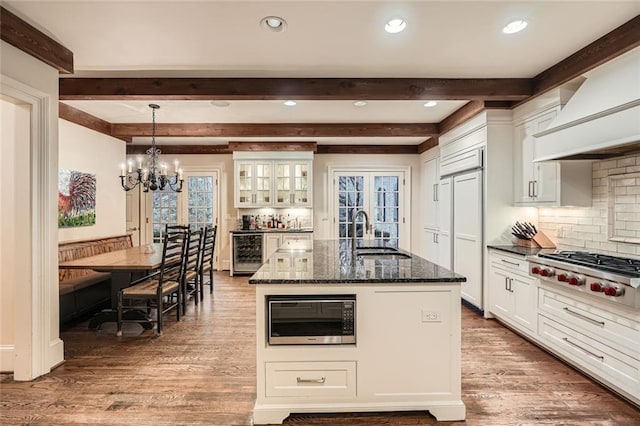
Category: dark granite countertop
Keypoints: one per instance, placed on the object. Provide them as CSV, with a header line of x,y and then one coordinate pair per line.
x,y
272,230
331,262
522,251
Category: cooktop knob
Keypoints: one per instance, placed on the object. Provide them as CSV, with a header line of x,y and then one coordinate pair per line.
x,y
597,287
614,291
563,277
535,270
576,280
547,272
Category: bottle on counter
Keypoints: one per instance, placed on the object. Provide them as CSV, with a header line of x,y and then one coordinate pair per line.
x,y
252,222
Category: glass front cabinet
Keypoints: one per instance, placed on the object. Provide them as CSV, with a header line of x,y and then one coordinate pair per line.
x,y
277,179
292,183
253,183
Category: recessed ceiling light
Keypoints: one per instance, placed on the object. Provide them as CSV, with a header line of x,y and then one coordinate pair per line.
x,y
430,104
273,23
395,25
515,26
290,103
360,103
220,104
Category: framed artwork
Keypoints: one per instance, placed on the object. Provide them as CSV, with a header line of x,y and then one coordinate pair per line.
x,y
76,199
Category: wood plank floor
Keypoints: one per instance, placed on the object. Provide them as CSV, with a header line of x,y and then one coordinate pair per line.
x,y
202,372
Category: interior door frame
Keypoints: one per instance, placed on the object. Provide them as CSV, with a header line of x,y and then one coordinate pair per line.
x,y
37,346
404,236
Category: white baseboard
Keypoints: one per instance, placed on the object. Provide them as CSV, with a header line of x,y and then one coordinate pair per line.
x,y
56,353
7,358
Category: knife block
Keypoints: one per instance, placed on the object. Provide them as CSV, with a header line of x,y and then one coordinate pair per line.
x,y
539,240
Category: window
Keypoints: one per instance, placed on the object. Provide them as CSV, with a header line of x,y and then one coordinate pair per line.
x,y
380,195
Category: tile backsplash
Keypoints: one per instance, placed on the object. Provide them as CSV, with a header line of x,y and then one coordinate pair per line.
x,y
612,223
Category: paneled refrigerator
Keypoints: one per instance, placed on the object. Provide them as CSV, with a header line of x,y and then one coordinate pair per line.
x,y
460,213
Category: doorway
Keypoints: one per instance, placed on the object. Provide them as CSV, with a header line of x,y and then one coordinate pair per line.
x,y
381,194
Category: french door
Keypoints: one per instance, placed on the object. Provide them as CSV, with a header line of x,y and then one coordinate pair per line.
x,y
381,195
196,205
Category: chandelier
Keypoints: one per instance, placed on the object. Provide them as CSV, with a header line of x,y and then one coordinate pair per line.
x,y
151,175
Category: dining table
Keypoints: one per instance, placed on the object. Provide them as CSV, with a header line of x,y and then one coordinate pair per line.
x,y
125,265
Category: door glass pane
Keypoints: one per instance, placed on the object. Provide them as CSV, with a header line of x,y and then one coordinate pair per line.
x,y
165,212
350,200
200,190
386,210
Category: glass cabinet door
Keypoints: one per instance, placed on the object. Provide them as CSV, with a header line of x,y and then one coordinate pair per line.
x,y
245,183
292,184
262,184
301,178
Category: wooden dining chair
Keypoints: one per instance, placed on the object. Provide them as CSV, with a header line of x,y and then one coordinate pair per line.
x,y
205,263
161,285
191,282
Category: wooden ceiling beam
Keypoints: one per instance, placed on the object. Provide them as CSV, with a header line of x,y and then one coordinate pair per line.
x,y
367,149
350,89
622,39
34,42
180,149
81,118
292,146
428,144
294,130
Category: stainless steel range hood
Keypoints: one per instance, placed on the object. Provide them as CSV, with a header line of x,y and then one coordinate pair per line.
x,y
602,119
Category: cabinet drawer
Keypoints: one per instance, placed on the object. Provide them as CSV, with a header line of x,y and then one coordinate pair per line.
x,y
592,355
616,331
513,263
311,379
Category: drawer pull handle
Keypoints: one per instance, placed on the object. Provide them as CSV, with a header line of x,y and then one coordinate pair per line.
x,y
320,380
588,352
510,263
584,317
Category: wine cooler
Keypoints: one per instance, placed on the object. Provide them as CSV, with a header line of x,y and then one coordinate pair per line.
x,y
247,253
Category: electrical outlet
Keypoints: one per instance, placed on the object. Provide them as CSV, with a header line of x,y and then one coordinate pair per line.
x,y
431,316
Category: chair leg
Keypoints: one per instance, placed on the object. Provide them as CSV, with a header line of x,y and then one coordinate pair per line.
x,y
159,316
183,297
211,281
119,331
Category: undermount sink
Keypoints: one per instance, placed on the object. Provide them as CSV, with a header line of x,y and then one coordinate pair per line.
x,y
384,254
367,249
380,252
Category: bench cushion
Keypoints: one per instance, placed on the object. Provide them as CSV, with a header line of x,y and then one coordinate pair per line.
x,y
88,280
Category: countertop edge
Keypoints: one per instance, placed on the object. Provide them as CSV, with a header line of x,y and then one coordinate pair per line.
x,y
357,281
518,250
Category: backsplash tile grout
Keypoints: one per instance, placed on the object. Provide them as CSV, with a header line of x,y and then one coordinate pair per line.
x,y
587,228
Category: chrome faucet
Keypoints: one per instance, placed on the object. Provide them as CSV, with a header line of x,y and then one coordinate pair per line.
x,y
353,227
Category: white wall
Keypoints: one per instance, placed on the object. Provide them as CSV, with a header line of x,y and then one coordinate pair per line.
x,y
88,151
587,228
15,131
37,340
322,203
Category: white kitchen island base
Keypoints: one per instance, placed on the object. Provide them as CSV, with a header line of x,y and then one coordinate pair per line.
x,y
406,357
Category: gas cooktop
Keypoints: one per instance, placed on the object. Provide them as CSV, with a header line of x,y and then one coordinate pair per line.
x,y
601,262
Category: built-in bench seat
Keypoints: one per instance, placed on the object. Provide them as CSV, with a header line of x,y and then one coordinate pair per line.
x,y
83,291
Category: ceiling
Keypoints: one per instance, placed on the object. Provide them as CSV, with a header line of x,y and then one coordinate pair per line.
x,y
323,39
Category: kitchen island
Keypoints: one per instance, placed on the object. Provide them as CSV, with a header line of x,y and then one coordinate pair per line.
x,y
406,354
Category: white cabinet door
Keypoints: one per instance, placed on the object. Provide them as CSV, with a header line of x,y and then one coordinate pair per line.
x,y
432,249
431,182
536,183
296,237
293,183
445,230
467,231
500,302
525,306
253,183
271,243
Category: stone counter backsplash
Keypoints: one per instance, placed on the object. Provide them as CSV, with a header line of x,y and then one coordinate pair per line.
x,y
615,211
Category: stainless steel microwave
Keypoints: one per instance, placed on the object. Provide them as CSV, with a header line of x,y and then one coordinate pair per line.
x,y
311,320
